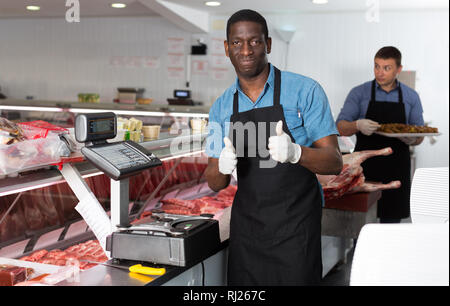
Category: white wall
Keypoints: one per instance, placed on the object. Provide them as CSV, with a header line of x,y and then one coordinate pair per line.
x,y
52,59
338,49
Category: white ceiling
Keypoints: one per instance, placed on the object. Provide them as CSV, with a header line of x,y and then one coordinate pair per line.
x,y
306,6
90,8
57,8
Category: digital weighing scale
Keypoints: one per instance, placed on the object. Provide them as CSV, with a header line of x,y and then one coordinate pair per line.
x,y
166,239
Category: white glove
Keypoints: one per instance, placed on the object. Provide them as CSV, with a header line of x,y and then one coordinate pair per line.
x,y
408,140
281,147
227,158
367,126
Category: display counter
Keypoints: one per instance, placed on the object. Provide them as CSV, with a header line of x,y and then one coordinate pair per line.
x,y
340,221
345,216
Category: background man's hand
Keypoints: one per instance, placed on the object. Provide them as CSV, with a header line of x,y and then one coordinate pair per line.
x,y
367,126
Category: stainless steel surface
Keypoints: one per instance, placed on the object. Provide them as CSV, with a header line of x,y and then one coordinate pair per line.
x,y
345,223
150,229
162,225
81,128
108,276
119,202
106,264
42,178
177,250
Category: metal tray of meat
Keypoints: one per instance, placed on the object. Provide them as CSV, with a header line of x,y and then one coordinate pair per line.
x,y
396,135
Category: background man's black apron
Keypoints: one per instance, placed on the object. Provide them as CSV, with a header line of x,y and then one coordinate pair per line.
x,y
275,230
394,204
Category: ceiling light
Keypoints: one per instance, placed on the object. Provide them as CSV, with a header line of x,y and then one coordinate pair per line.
x,y
320,1
118,5
212,3
33,8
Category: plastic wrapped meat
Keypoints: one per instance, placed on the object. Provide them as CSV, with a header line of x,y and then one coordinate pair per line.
x,y
10,132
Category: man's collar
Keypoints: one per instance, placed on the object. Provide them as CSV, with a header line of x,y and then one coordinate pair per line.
x,y
397,84
270,80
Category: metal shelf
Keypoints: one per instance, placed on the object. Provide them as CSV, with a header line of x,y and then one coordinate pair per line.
x,y
47,177
159,110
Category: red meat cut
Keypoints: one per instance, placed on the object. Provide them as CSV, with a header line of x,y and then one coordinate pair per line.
x,y
351,179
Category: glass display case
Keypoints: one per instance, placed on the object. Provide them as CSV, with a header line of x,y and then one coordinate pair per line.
x,y
37,206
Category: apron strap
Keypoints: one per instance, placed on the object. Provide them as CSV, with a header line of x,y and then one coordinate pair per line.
x,y
372,92
236,103
277,89
400,94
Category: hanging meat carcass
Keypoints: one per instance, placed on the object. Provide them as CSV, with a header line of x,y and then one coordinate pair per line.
x,y
351,179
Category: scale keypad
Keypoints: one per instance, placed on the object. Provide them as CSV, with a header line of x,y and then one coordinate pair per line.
x,y
123,156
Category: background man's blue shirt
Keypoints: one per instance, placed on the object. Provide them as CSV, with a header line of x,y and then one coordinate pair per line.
x,y
357,102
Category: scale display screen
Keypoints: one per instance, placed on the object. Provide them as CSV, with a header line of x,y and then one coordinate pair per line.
x,y
181,94
101,126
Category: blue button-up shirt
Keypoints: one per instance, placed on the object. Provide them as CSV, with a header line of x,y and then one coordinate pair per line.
x,y
305,105
357,102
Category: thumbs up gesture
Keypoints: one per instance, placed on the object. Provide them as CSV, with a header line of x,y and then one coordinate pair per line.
x,y
281,147
227,158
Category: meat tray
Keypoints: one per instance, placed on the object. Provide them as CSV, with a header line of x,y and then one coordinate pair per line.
x,y
396,135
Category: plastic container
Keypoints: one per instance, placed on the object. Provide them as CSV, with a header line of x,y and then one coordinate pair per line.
x,y
151,132
88,98
144,100
198,125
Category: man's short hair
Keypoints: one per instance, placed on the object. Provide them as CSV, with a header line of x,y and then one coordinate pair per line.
x,y
390,52
248,15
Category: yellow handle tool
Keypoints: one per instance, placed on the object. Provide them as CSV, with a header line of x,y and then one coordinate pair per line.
x,y
146,270
134,269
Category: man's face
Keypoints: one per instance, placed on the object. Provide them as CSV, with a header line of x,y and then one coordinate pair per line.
x,y
386,70
247,48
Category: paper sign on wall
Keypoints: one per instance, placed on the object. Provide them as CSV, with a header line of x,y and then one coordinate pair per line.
x,y
175,60
134,61
126,61
200,67
151,62
175,72
175,45
217,46
219,61
219,74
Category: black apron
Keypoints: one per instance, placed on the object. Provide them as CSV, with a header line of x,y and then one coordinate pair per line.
x,y
394,204
275,228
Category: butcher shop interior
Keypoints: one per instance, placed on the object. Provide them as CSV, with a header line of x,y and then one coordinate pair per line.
x,y
116,168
